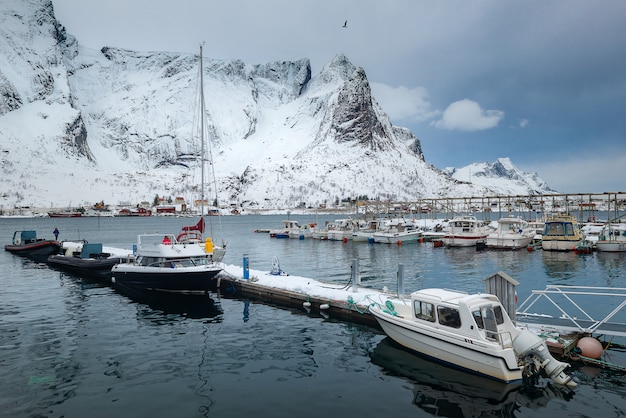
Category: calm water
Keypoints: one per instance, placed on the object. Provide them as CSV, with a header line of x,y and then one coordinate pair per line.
x,y
73,348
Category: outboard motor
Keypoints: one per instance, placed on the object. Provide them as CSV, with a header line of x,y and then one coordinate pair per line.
x,y
528,344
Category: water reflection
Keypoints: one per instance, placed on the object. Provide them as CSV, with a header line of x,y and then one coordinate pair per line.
x,y
561,265
443,391
613,265
162,306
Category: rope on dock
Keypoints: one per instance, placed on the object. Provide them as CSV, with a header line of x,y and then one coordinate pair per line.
x,y
352,305
601,363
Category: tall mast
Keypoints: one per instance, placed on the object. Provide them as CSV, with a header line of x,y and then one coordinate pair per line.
x,y
202,151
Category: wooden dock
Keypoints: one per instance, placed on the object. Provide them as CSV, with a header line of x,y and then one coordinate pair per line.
x,y
349,308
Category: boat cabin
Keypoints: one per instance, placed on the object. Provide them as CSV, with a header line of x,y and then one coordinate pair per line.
x,y
464,224
478,314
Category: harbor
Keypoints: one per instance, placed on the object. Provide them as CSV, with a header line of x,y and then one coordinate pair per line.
x,y
236,338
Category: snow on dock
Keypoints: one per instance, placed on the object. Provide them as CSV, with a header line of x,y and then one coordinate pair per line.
x,y
344,302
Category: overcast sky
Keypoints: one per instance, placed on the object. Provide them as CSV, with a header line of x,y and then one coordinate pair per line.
x,y
541,82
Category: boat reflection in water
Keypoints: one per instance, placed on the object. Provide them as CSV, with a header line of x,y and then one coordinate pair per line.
x,y
443,391
194,306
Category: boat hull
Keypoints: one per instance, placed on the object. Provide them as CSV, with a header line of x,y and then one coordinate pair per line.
x,y
508,243
395,238
611,246
175,280
452,349
92,268
463,241
559,244
38,251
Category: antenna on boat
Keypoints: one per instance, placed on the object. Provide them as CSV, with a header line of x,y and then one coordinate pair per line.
x,y
201,138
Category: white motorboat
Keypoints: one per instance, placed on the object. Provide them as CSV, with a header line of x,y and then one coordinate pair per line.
x,y
561,233
342,230
366,233
469,332
511,234
465,231
288,226
398,233
304,231
612,237
166,265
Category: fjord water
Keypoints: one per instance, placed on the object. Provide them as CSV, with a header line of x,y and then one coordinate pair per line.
x,y
73,348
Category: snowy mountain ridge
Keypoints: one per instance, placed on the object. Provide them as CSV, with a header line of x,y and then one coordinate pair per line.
x,y
502,177
80,126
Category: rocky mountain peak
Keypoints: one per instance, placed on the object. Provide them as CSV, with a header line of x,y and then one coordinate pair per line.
x,y
117,124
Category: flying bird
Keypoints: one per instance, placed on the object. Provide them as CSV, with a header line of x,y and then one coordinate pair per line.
x,y
345,24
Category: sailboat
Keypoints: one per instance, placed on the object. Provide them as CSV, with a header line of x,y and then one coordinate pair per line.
x,y
185,263
195,233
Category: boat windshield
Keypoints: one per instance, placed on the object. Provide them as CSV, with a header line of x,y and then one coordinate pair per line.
x,y
559,228
174,262
488,318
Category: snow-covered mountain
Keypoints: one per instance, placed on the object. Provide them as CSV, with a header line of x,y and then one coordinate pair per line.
x,y
78,126
502,177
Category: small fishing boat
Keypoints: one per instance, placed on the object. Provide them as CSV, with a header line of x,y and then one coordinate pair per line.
x,y
465,231
398,233
612,237
511,234
288,226
87,259
561,233
26,244
342,230
163,264
470,332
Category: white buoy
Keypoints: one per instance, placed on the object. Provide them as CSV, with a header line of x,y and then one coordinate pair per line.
x,y
590,347
324,306
307,304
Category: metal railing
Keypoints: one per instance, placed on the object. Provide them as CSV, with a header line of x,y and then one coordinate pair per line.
x,y
580,318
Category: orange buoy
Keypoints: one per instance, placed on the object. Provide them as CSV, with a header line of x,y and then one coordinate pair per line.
x,y
590,347
345,239
399,242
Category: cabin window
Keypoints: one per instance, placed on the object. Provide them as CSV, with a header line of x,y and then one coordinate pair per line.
x,y
497,311
569,230
424,310
490,318
479,319
449,317
554,228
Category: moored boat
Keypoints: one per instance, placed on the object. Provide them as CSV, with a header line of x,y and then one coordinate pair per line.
x,y
561,233
612,237
398,233
288,226
25,243
511,234
469,332
465,231
87,259
342,229
163,264
66,214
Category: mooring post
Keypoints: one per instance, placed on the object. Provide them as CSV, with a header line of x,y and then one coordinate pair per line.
x,y
400,280
356,278
246,267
